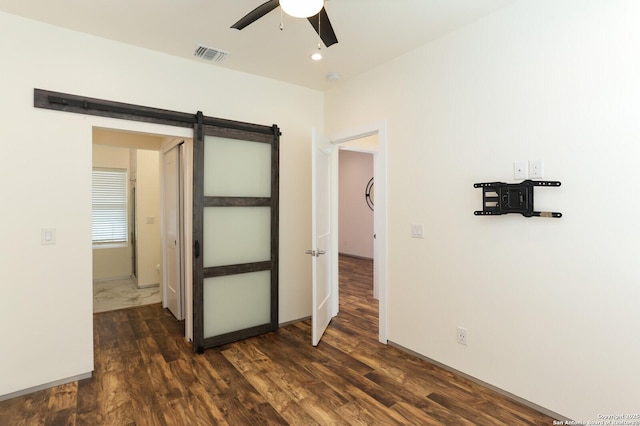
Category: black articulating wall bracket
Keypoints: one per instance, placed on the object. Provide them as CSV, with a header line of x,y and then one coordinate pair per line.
x,y
502,198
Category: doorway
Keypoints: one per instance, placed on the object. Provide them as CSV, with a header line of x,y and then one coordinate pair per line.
x,y
132,274
325,279
356,233
372,139
126,273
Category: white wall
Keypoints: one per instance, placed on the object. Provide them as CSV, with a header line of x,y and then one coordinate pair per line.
x,y
551,305
45,171
149,242
355,216
126,139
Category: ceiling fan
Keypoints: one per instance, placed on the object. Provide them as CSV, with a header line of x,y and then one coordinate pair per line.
x,y
319,21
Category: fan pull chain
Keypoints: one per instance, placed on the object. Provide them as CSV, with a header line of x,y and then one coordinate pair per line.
x,y
281,24
319,33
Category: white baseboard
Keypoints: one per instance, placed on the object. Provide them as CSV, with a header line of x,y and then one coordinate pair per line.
x,y
482,383
45,386
107,279
149,285
284,324
354,256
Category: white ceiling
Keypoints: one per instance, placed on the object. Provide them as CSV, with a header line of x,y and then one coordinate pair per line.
x,y
370,32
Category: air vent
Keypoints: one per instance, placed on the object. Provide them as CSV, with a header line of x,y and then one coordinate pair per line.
x,y
210,54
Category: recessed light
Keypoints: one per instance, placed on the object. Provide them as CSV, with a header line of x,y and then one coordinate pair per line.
x,y
316,56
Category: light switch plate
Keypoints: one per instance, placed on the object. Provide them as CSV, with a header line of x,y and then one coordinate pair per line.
x,y
417,231
519,170
47,236
536,169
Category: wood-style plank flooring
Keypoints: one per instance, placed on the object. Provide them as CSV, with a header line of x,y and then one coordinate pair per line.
x,y
145,374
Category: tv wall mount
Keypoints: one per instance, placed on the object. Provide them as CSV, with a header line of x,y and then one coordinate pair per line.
x,y
502,198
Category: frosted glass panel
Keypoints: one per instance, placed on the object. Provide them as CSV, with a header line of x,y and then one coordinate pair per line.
x,y
234,235
236,168
236,302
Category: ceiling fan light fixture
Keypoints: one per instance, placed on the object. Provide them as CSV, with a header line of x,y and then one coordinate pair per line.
x,y
301,8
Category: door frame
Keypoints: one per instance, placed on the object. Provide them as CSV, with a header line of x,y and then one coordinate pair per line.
x,y
380,214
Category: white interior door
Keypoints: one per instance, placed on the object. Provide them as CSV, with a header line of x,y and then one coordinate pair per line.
x,y
173,282
322,253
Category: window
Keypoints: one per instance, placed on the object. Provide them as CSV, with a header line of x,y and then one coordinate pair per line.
x,y
109,203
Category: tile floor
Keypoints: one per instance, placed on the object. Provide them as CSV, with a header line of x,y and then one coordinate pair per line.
x,y
118,294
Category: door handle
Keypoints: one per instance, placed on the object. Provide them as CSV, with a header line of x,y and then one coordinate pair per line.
x,y
315,253
320,252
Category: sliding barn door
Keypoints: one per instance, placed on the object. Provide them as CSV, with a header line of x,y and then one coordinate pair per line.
x,y
235,233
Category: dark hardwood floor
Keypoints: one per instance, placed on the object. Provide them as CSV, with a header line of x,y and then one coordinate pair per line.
x,y
146,374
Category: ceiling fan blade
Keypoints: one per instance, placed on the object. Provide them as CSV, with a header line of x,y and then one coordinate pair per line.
x,y
325,30
256,14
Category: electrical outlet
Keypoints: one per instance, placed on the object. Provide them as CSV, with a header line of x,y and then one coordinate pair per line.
x,y
536,169
462,335
519,170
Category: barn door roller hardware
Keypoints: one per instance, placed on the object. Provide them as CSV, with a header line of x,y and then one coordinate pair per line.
x,y
502,198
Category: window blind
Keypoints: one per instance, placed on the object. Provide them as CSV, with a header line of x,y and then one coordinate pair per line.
x,y
109,206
